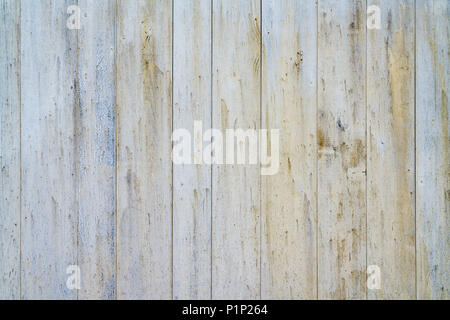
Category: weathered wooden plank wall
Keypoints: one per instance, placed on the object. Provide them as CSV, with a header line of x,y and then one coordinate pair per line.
x,y
49,150
87,179
341,149
192,183
432,143
10,150
390,143
236,72
144,167
96,170
289,202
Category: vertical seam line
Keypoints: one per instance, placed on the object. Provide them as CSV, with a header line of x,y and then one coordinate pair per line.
x,y
260,126
415,148
171,142
116,144
77,145
20,150
367,158
211,168
317,149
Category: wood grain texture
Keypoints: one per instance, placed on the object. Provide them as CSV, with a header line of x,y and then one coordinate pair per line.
x,y
289,216
432,142
144,167
9,149
192,183
50,112
341,149
87,178
96,150
236,188
390,163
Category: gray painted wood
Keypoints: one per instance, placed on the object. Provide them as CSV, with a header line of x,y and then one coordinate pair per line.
x,y
144,168
341,139
236,188
86,175
432,142
9,149
49,148
289,202
192,183
96,165
390,155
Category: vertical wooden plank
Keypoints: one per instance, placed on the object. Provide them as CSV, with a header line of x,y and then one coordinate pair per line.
x,y
289,104
432,142
49,147
9,149
144,167
390,163
96,168
342,149
236,188
192,182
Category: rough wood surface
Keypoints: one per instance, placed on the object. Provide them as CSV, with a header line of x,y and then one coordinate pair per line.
x,y
192,183
10,149
96,150
49,145
390,163
289,216
87,179
144,167
432,143
236,188
341,139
